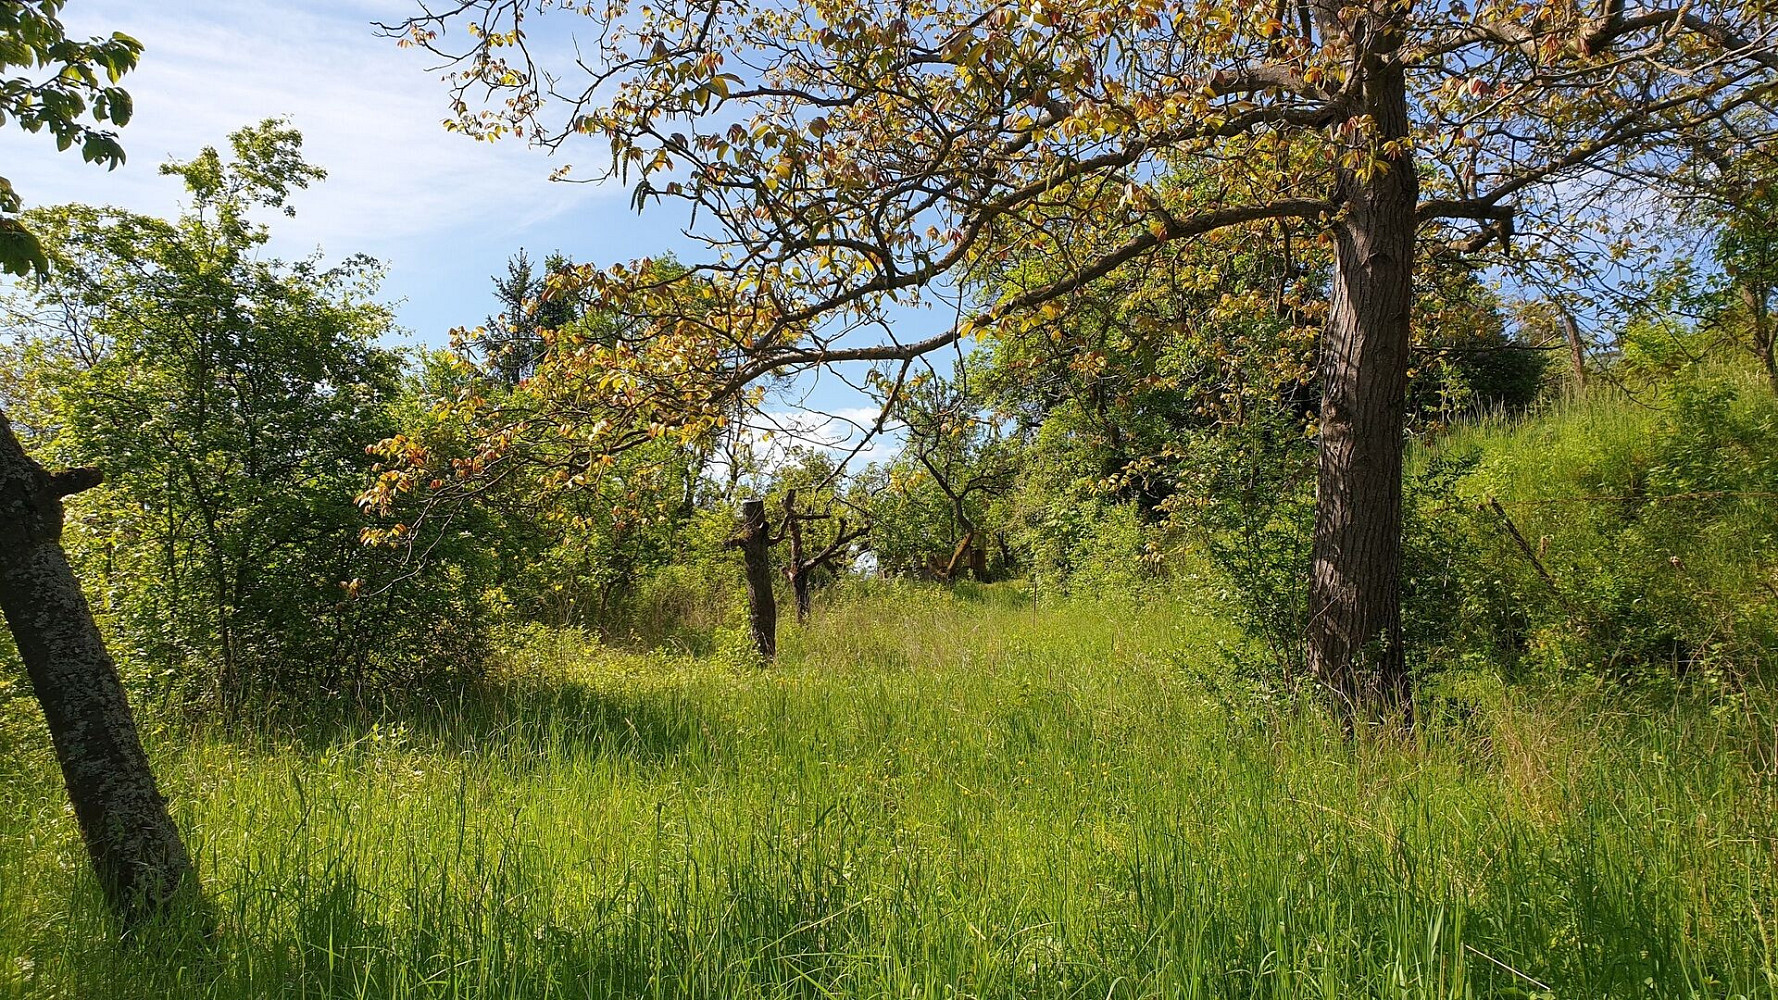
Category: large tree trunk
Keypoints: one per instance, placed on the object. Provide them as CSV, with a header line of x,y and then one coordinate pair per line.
x,y
755,543
1355,641
136,852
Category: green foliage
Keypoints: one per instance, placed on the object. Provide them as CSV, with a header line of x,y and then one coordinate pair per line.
x,y
228,398
1246,500
1652,518
908,514
1084,544
512,341
567,554
1627,538
1152,395
1743,208
1246,506
572,532
1452,612
932,509
266,163
1467,360
71,81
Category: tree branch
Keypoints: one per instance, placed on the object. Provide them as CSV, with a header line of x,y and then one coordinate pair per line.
x,y
68,482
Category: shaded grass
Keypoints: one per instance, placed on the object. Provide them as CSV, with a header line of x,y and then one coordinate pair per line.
x,y
933,796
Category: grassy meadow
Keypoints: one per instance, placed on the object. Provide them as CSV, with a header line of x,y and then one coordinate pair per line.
x,y
434,629
934,795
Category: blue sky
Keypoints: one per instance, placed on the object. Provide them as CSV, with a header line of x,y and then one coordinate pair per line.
x,y
441,210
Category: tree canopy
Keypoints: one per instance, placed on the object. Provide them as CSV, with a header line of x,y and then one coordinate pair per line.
x,y
843,158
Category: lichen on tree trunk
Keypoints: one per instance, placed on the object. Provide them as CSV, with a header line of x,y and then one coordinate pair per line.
x,y
136,850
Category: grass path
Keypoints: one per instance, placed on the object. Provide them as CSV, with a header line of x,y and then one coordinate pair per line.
x,y
934,797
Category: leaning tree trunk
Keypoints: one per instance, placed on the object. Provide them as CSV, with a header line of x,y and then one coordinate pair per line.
x,y
956,562
1577,351
135,849
755,543
1355,640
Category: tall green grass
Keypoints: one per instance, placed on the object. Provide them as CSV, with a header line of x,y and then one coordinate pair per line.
x,y
932,796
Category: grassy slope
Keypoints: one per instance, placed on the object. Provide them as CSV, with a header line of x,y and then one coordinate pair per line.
x,y
941,798
1656,518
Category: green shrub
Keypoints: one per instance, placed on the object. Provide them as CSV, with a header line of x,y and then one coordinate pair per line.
x,y
1646,533
228,397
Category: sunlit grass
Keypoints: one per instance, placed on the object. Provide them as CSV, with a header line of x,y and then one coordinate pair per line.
x,y
935,797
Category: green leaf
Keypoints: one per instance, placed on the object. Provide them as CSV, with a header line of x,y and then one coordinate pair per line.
x,y
123,107
20,252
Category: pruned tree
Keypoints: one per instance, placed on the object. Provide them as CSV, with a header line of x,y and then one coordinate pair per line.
x,y
841,157
756,536
136,851
957,444
805,562
755,539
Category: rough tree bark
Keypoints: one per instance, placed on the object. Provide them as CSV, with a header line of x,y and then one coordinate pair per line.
x,y
755,542
136,851
796,571
1355,641
802,567
799,585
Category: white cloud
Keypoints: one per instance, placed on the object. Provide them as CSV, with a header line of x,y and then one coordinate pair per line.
x,y
441,209
840,433
370,113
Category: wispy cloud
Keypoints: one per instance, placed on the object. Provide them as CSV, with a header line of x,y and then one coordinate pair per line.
x,y
400,187
371,114
843,434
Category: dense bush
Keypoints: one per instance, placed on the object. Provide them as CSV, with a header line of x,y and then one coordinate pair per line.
x,y
228,398
1628,534
1649,535
1246,510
